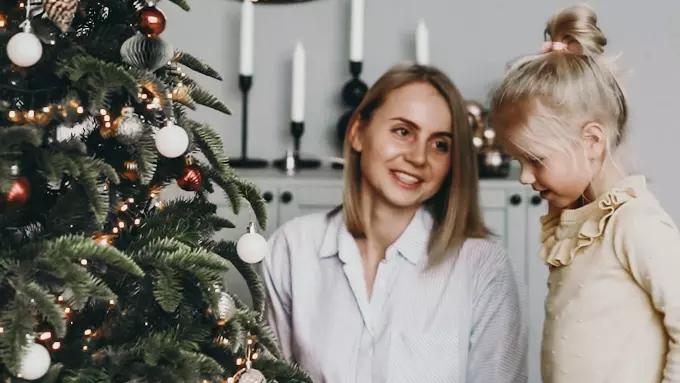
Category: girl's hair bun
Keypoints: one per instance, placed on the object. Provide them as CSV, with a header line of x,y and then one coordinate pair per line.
x,y
577,27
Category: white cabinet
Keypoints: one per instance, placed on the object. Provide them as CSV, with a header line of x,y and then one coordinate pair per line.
x,y
511,211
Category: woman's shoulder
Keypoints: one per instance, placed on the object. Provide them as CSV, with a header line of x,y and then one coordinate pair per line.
x,y
305,236
308,225
484,255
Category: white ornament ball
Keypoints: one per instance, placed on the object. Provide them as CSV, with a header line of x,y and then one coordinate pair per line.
x,y
35,362
252,247
172,141
24,49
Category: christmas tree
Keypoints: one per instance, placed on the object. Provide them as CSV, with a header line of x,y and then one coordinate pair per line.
x,y
102,280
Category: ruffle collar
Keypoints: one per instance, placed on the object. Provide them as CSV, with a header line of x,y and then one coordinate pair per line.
x,y
565,235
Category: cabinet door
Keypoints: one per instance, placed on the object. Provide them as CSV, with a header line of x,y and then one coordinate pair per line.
x,y
537,283
299,200
504,211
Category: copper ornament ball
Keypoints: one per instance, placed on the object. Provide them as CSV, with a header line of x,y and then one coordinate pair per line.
x,y
191,178
151,22
19,192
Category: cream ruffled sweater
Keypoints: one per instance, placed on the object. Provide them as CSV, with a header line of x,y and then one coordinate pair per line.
x,y
613,307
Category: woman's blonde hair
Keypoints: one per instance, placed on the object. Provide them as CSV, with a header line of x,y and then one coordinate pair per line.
x,y
455,207
544,100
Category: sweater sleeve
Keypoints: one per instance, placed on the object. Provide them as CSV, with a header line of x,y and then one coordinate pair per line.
x,y
648,245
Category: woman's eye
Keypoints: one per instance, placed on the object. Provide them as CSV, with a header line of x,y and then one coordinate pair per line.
x,y
401,131
442,146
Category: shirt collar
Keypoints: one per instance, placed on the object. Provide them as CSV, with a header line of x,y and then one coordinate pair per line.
x,y
411,244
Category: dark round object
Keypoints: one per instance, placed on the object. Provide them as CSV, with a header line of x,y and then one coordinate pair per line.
x,y
515,199
151,22
536,200
286,197
191,178
343,123
268,196
353,92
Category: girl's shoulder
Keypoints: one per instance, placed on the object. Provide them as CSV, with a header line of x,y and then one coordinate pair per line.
x,y
629,211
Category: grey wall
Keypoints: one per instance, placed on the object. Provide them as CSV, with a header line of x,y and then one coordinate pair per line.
x,y
471,41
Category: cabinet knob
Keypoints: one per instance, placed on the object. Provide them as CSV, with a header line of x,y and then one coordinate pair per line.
x,y
516,199
268,196
536,200
286,197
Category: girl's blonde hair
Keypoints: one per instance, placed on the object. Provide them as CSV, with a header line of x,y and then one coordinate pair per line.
x,y
544,100
455,207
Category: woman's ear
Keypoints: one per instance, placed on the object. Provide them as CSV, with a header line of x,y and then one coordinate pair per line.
x,y
594,140
354,135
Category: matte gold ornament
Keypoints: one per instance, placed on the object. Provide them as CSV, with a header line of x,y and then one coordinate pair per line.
x,y
61,12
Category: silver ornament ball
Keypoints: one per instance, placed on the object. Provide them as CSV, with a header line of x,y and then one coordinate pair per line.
x,y
129,127
252,376
226,308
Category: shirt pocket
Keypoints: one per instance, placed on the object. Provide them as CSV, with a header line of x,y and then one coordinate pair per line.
x,y
432,357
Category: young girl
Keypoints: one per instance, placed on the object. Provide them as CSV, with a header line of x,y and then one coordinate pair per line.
x,y
400,284
613,307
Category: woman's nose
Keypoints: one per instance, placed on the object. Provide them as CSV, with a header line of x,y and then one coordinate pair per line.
x,y
417,154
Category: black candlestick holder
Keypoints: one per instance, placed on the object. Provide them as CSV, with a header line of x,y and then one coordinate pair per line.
x,y
245,83
353,92
297,129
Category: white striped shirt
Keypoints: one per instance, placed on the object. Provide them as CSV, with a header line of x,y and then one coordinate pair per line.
x,y
461,322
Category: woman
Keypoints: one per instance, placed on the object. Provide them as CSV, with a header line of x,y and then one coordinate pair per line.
x,y
401,283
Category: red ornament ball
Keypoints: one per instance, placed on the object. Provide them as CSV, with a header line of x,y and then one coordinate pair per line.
x,y
19,192
191,179
151,22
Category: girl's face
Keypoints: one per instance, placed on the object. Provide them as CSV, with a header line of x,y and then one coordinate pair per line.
x,y
560,178
562,175
405,147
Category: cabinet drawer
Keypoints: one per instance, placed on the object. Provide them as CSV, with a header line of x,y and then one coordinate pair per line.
x,y
318,195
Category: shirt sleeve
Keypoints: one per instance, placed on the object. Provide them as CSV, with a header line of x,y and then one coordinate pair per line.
x,y
649,247
276,275
499,336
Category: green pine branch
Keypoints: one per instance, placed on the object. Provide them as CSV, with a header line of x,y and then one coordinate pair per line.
x,y
211,146
185,220
254,326
253,280
53,374
16,325
13,137
196,64
12,140
85,170
252,194
144,153
205,98
101,79
281,371
167,288
154,85
45,303
167,256
182,4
